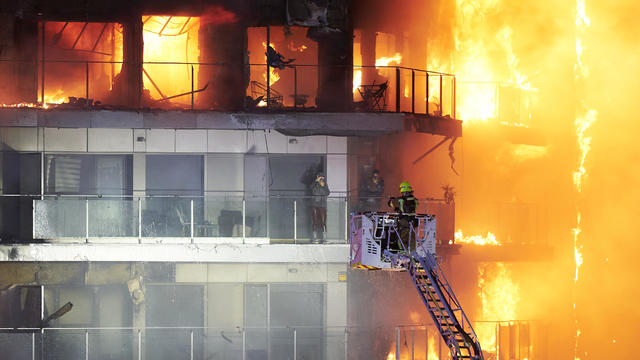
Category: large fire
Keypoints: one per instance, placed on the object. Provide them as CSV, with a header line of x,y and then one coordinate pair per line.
x,y
499,296
387,61
489,239
432,354
170,39
585,117
479,74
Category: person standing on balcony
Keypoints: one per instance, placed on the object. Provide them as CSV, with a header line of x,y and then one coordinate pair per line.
x,y
319,193
371,192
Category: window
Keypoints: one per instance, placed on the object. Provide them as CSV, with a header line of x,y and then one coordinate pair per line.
x,y
276,309
87,174
174,175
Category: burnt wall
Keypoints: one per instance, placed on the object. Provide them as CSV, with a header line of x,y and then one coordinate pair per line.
x,y
18,42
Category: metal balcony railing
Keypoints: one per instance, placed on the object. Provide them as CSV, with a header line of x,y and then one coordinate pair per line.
x,y
505,340
79,84
220,218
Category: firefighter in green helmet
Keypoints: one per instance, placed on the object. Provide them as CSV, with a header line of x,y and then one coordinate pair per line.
x,y
407,203
405,206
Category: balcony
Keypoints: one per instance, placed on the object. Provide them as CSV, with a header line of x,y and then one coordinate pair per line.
x,y
228,219
187,220
93,84
209,219
515,340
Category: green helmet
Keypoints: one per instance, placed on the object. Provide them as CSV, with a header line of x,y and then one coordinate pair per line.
x,y
405,187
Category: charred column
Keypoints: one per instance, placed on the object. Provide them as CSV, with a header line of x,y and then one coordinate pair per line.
x,y
224,45
335,72
19,47
133,50
368,52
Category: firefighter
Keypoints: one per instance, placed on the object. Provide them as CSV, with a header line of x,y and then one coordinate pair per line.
x,y
407,203
405,206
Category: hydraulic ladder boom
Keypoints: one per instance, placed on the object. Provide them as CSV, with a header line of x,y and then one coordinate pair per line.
x,y
444,308
383,241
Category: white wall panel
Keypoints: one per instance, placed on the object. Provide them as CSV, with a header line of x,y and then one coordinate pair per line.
x,y
267,272
20,138
337,173
139,146
229,141
235,273
307,144
161,140
272,142
65,139
337,304
40,139
191,273
110,140
337,144
191,141
307,272
334,271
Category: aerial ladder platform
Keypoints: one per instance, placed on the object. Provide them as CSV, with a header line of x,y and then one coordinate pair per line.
x,y
401,242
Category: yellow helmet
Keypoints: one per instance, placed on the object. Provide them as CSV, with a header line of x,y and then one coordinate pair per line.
x,y
405,187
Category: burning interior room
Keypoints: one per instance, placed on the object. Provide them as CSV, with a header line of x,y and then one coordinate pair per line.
x,y
221,179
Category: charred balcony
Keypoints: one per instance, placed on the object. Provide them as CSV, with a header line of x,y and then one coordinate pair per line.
x,y
196,64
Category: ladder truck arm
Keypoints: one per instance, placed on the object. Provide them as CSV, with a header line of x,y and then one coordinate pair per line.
x,y
376,243
441,303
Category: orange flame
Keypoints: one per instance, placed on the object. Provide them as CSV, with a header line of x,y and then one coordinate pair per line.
x,y
300,48
170,39
584,119
357,80
20,105
499,296
490,239
273,76
583,123
55,98
386,61
475,67
431,351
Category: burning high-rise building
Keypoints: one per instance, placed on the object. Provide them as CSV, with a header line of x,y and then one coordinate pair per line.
x,y
158,157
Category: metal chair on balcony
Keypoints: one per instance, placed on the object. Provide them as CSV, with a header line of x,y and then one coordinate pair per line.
x,y
259,91
374,96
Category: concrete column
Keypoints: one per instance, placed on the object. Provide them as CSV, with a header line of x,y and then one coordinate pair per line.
x,y
225,45
335,73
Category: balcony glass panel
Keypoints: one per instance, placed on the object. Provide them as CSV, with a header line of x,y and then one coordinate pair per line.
x,y
59,218
113,218
16,346
166,217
